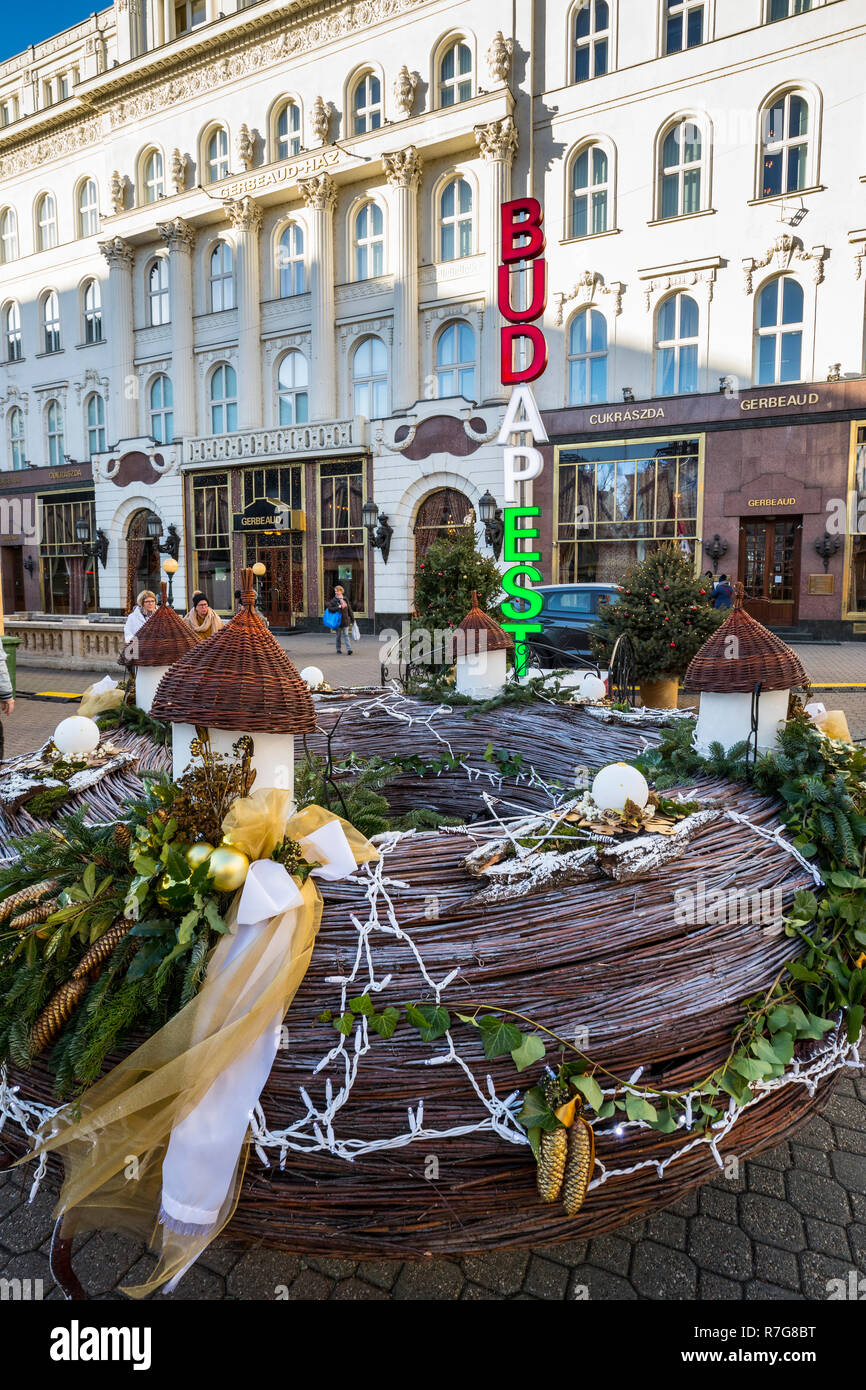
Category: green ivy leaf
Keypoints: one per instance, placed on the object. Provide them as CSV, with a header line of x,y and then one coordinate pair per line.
x,y
639,1109
362,1004
605,1111
800,972
499,1037
751,1068
344,1025
384,1023
431,1020
530,1050
590,1090
536,1113
855,1022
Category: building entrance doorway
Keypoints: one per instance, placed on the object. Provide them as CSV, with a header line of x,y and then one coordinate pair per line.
x,y
770,568
280,590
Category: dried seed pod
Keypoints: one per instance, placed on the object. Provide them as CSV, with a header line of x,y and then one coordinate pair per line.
x,y
40,913
551,1164
102,948
17,900
55,1014
579,1166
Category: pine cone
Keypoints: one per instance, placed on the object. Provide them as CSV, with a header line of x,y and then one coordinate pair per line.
x,y
26,895
578,1169
551,1164
122,835
55,1014
101,949
40,913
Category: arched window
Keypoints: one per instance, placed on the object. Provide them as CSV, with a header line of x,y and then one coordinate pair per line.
x,y
370,379
590,192
160,405
46,222
367,104
683,24
455,220
587,358
455,74
293,380
92,300
96,424
290,260
779,330
676,345
217,155
12,332
591,40
368,241
442,515
455,361
16,437
8,236
289,130
51,322
784,145
158,298
222,278
88,208
223,400
680,173
153,177
54,433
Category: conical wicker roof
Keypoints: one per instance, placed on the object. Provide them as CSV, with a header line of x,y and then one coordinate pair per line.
x,y
476,622
164,638
238,679
724,665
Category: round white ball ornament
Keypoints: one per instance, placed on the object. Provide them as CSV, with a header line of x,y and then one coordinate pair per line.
x,y
618,783
313,677
76,736
591,686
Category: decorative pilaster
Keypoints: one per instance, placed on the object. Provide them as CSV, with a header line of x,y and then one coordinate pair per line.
x,y
498,145
179,237
320,195
245,216
403,172
119,255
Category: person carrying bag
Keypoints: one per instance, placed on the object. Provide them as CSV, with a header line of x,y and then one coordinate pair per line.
x,y
338,616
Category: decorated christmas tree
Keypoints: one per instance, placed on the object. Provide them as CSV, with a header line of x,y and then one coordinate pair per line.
x,y
446,577
665,611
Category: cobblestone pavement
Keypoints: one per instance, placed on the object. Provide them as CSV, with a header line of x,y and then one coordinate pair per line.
x,y
793,1219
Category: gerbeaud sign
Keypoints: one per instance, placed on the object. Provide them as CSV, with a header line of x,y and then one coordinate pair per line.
x,y
522,241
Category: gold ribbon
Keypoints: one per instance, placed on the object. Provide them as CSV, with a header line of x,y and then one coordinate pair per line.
x,y
114,1148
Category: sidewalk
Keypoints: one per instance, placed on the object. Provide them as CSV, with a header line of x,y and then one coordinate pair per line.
x,y
832,663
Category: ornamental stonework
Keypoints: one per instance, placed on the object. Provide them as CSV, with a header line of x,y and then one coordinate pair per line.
x,y
497,140
177,234
245,215
403,168
785,252
319,192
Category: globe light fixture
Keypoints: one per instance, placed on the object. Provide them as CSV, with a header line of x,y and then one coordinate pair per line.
x,y
76,736
618,783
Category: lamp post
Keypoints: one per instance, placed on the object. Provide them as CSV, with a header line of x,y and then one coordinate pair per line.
x,y
170,567
491,519
379,528
92,549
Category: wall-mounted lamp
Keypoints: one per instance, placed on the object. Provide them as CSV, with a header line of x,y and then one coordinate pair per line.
x,y
716,548
827,546
92,549
627,394
379,528
491,519
29,564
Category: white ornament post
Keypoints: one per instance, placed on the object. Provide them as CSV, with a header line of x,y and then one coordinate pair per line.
x,y
726,718
273,757
482,675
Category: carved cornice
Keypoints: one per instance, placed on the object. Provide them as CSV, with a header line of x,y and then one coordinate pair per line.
x,y
586,290
677,280
403,168
497,140
319,192
244,214
177,234
92,382
785,252
118,253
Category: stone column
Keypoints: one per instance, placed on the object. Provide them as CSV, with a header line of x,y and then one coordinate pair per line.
x,y
245,216
498,145
121,336
179,237
320,196
403,172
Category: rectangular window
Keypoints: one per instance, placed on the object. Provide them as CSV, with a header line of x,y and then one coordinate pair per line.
x,y
212,539
70,583
618,502
341,531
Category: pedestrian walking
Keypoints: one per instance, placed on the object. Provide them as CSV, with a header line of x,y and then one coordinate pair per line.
x,y
145,607
340,604
723,593
201,618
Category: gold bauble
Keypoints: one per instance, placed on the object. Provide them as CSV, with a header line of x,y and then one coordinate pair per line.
x,y
228,868
197,854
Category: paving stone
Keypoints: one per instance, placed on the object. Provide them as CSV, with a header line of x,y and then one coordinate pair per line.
x,y
774,1158
10,1197
602,1285
103,1262
503,1271
141,1271
685,1206
545,1279
259,1273
33,1267
667,1229
712,1201
221,1256
814,1195
813,1159
570,1252
767,1181
858,1205
777,1266
817,1134
845,1086
382,1273
474,1293
356,1291
850,1171
439,1279
659,1272
851,1140
720,1248
828,1239
765,1293
712,1286
310,1287
857,1237
333,1269
844,1110
818,1270
29,1225
771,1221
610,1252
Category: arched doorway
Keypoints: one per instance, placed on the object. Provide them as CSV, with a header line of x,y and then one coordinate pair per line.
x,y
444,512
142,556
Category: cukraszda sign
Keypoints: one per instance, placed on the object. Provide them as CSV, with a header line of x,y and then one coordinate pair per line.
x,y
522,241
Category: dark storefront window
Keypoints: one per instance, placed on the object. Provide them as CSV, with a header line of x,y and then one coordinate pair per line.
x,y
281,589
341,532
857,526
212,539
618,502
70,583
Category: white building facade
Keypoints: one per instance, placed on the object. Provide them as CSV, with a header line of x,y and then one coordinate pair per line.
x,y
248,269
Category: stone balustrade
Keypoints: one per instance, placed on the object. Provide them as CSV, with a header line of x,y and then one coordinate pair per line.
x,y
72,643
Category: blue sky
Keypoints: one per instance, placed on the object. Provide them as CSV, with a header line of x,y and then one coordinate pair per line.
x,y
24,24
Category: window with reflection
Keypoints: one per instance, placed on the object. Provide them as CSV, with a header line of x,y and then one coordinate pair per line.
x,y
779,331
591,40
587,358
590,192
676,345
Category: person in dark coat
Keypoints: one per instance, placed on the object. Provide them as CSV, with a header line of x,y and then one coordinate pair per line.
x,y
723,593
347,617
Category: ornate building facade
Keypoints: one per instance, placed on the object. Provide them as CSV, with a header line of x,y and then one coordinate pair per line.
x,y
248,271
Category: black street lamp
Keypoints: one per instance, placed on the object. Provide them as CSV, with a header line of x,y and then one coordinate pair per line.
x,y
716,548
826,546
491,519
92,549
379,528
